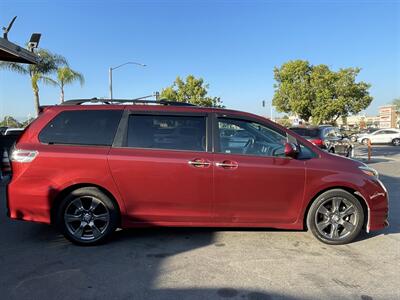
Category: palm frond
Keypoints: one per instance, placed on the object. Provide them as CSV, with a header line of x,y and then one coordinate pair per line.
x,y
66,75
48,80
14,67
48,62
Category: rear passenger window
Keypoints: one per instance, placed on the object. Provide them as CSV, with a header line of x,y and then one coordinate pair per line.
x,y
78,127
167,132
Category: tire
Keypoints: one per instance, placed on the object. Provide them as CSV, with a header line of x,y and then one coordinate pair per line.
x,y
396,142
364,141
87,216
335,226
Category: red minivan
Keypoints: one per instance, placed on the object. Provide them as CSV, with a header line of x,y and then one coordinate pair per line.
x,y
90,169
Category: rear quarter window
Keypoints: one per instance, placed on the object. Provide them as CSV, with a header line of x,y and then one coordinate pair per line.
x,y
82,127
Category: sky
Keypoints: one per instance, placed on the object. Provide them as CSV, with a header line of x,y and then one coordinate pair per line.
x,y
233,45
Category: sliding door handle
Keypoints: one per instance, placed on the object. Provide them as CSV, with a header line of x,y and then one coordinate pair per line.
x,y
199,163
227,164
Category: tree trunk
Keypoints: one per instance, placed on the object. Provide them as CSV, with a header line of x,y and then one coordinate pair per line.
x,y
62,94
37,102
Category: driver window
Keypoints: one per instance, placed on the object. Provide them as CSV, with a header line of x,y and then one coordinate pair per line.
x,y
249,138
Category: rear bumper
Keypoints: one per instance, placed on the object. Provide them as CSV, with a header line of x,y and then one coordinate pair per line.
x,y
29,203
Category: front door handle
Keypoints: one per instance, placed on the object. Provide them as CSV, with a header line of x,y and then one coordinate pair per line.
x,y
227,164
199,163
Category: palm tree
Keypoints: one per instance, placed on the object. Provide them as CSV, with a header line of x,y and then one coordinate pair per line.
x,y
66,75
48,64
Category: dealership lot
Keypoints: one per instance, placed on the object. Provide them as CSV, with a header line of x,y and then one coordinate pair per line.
x,y
38,263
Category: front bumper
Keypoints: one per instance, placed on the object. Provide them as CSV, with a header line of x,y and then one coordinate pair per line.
x,y
377,199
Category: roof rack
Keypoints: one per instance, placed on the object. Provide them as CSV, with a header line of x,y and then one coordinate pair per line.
x,y
133,101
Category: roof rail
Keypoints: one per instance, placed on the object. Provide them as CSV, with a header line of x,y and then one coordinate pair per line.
x,y
133,101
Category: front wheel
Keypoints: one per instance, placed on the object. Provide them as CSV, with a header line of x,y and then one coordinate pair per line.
x,y
87,216
336,217
396,142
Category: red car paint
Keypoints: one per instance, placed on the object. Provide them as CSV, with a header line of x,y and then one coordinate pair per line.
x,y
160,187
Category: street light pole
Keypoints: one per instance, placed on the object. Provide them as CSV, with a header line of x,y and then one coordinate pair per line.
x,y
110,82
110,70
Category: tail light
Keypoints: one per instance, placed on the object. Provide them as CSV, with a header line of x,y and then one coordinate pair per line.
x,y
23,156
317,142
5,163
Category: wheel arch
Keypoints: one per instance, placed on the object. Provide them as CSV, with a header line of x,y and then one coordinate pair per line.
x,y
354,192
61,194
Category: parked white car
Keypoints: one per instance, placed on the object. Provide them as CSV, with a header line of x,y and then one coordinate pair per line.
x,y
382,136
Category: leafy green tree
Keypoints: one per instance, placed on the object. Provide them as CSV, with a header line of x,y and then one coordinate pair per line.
x,y
66,75
396,102
193,90
318,92
10,121
293,92
48,64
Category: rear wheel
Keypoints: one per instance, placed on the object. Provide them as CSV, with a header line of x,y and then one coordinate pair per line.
x,y
365,141
87,216
335,217
396,142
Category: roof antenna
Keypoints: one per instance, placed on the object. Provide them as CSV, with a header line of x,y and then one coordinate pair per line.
x,y
7,29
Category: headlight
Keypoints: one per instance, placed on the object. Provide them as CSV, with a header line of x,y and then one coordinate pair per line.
x,y
369,171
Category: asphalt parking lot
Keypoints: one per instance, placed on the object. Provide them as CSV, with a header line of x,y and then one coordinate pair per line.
x,y
37,263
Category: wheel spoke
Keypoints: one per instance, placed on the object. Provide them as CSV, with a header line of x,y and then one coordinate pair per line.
x,y
78,204
96,231
101,217
72,218
348,211
323,210
348,226
322,225
334,234
79,232
336,204
94,204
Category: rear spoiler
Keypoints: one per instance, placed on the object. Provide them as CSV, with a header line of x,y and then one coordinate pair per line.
x,y
42,108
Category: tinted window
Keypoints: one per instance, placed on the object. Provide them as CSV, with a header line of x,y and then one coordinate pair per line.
x,y
167,132
306,153
249,138
306,132
390,132
78,127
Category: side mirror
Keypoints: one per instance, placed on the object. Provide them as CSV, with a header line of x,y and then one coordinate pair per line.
x,y
291,150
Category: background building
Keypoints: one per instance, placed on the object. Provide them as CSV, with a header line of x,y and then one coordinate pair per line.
x,y
388,116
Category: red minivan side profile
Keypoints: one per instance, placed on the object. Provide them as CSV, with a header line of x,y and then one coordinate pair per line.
x,y
89,169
